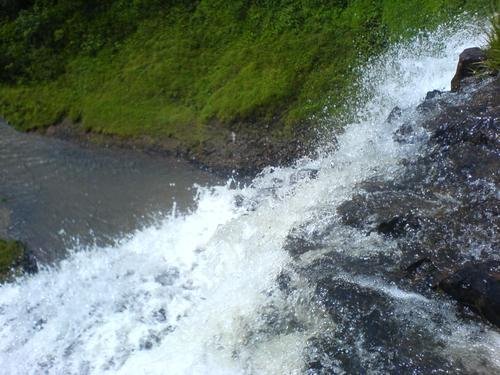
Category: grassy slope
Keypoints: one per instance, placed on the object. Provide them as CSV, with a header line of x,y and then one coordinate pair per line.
x,y
177,68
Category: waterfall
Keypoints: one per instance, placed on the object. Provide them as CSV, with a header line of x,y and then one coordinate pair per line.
x,y
199,293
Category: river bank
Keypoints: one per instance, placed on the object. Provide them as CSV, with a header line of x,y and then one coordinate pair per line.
x,y
244,151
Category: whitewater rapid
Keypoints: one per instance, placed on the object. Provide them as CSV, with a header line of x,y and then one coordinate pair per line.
x,y
193,294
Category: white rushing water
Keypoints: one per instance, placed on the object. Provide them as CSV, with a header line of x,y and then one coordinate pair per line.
x,y
188,296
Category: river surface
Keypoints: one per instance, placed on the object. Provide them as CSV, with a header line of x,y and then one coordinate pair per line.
x,y
56,195
214,290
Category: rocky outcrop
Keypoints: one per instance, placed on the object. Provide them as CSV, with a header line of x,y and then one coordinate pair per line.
x,y
443,210
469,63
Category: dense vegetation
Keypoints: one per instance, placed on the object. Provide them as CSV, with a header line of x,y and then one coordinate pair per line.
x,y
169,68
494,44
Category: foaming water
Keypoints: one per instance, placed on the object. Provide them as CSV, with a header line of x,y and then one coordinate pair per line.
x,y
198,293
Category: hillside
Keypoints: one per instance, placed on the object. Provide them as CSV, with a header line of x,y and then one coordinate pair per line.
x,y
185,74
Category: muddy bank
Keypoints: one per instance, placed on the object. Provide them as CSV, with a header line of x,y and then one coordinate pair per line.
x,y
243,149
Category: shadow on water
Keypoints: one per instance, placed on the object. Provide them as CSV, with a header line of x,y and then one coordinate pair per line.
x,y
54,193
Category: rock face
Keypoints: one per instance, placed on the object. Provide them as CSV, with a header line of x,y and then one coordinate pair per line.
x,y
441,212
469,62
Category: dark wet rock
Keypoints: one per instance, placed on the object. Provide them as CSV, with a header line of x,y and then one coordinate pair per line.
x,y
394,115
398,226
311,235
420,275
168,277
337,297
296,244
239,200
333,263
151,340
160,315
40,324
351,211
379,285
389,212
417,265
433,94
367,334
435,102
276,320
284,281
443,209
404,133
477,285
469,63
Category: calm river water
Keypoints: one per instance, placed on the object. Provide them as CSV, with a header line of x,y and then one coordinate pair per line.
x,y
54,194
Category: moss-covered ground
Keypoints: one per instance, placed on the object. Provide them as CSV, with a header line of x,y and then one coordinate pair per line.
x,y
11,257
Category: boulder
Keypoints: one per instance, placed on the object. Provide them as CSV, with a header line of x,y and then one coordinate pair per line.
x,y
469,62
398,226
478,287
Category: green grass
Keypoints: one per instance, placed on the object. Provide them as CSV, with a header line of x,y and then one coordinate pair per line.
x,y
11,256
493,52
139,67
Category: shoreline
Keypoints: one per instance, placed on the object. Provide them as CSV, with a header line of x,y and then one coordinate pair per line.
x,y
241,152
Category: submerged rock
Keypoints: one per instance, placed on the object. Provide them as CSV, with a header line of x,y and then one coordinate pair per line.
x,y
368,333
394,115
398,226
433,94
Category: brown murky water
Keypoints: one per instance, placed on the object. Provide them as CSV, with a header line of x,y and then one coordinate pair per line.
x,y
54,194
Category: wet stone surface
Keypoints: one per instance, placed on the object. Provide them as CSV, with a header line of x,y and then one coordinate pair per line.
x,y
441,215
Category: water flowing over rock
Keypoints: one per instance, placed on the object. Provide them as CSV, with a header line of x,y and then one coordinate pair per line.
x,y
333,265
444,206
